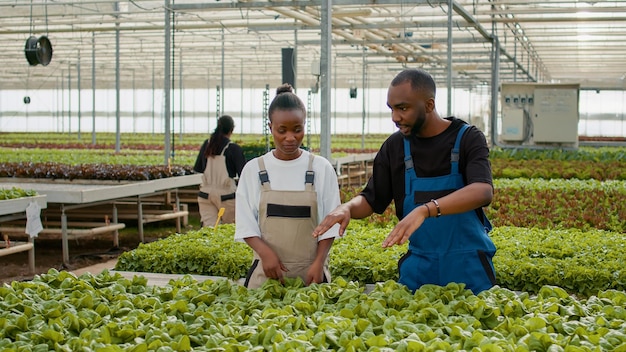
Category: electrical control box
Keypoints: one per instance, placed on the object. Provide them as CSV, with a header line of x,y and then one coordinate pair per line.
x,y
555,116
539,114
513,125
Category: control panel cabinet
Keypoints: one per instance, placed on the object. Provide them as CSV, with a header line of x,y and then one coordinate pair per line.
x,y
555,115
539,114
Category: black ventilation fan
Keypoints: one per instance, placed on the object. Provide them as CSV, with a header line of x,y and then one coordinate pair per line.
x,y
38,50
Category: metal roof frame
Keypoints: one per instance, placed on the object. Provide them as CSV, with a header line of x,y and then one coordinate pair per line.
x,y
224,42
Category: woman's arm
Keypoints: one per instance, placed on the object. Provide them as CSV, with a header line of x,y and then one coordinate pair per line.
x,y
315,274
272,266
200,164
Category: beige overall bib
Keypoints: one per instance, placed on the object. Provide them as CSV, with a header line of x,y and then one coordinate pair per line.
x,y
216,191
287,220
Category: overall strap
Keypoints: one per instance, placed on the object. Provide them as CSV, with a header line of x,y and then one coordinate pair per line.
x,y
455,155
309,177
263,177
408,166
223,150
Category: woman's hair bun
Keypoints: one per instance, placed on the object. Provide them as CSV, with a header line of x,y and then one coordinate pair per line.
x,y
284,88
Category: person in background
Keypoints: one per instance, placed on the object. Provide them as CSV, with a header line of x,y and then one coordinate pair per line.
x,y
281,198
220,161
437,172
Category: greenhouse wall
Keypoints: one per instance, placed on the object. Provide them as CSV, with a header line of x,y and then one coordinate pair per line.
x,y
602,113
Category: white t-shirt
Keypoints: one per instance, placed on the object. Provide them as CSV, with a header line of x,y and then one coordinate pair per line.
x,y
284,175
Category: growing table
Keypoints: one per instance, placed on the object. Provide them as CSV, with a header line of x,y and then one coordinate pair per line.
x,y
69,195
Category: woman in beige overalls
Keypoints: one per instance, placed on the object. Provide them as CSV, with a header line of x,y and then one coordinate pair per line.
x,y
281,198
220,161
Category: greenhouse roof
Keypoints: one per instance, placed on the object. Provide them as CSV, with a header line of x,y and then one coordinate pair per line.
x,y
238,44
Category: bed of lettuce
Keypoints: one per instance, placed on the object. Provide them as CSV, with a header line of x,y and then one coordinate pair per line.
x,y
15,193
58,311
561,280
581,262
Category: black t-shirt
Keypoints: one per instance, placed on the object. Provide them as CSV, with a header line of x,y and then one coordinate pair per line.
x,y
235,160
431,157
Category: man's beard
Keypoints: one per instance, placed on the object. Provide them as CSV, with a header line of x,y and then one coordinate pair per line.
x,y
419,122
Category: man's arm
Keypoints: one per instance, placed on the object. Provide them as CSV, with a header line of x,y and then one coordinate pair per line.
x,y
356,208
468,198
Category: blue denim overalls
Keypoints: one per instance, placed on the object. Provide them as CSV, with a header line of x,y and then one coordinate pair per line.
x,y
452,248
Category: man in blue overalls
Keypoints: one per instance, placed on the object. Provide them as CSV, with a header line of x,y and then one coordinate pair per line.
x,y
437,172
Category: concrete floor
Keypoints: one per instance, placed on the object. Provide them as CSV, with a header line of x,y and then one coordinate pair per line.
x,y
154,279
96,268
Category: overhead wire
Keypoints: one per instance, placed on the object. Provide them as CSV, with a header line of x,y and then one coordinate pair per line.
x,y
145,8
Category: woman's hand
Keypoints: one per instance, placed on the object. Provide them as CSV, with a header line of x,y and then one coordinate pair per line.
x,y
315,274
272,266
